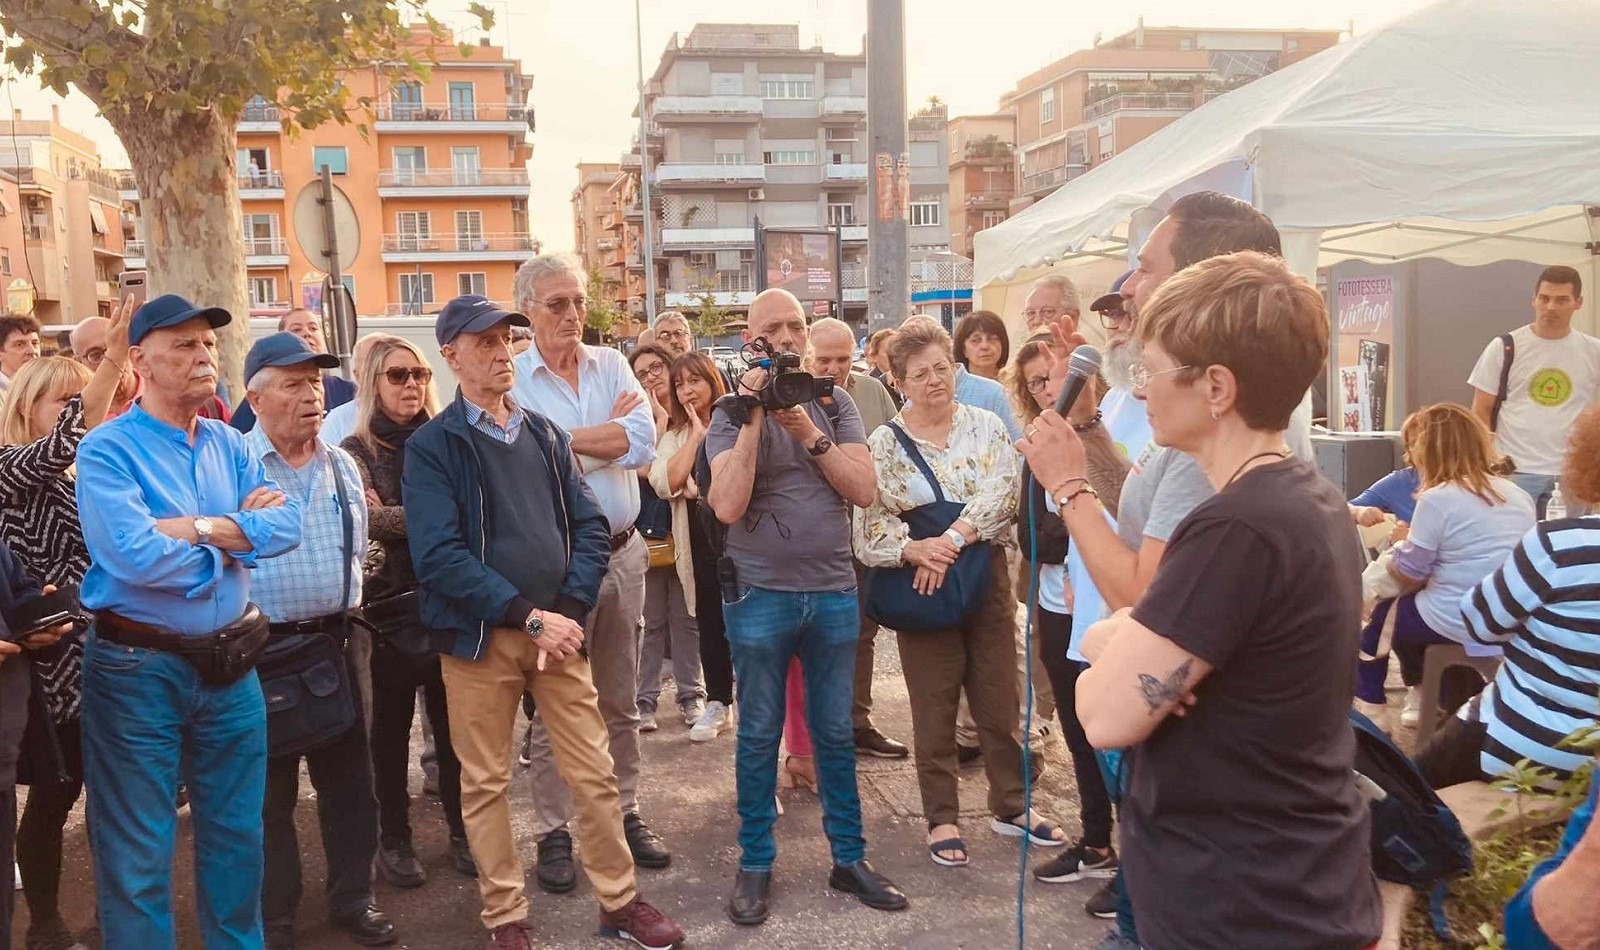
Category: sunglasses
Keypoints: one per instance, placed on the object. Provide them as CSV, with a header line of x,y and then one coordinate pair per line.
x,y
399,374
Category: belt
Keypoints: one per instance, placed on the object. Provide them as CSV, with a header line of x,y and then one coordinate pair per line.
x,y
112,626
333,622
622,537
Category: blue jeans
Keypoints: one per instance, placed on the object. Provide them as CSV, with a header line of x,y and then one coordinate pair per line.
x,y
149,722
765,629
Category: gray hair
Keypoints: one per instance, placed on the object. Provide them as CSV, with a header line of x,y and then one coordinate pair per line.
x,y
833,325
673,316
263,378
538,268
1069,290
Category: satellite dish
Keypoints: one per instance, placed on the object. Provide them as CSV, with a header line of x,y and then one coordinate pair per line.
x,y
312,235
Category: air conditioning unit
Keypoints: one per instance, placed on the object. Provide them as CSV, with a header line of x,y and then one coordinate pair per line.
x,y
758,194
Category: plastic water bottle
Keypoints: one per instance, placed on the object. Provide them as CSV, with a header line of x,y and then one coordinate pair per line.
x,y
1556,508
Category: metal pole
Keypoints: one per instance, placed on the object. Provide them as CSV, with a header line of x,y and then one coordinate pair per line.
x,y
644,175
889,287
838,271
333,302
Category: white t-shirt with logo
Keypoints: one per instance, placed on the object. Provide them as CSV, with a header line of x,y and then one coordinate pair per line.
x,y
1551,383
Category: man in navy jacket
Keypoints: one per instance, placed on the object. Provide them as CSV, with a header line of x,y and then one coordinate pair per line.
x,y
510,548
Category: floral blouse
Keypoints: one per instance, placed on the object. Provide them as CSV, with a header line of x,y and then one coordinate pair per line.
x,y
978,467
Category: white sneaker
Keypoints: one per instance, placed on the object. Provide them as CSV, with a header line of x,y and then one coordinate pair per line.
x,y
1411,712
711,724
692,711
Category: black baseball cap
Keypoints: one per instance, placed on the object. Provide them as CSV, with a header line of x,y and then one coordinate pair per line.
x,y
169,310
472,313
1112,300
284,349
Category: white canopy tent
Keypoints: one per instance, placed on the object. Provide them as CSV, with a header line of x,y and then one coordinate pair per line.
x,y
1468,131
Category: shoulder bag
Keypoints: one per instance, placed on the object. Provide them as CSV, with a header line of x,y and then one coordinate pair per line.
x,y
890,598
304,676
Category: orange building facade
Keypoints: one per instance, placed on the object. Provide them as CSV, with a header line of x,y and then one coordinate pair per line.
x,y
438,188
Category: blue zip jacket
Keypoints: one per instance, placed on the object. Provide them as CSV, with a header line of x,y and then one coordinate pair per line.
x,y
442,489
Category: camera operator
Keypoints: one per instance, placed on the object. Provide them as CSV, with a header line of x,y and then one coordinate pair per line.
x,y
784,480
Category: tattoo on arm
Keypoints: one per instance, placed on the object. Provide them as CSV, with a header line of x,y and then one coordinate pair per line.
x,y
1161,692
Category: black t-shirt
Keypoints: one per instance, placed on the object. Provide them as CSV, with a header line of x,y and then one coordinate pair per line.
x,y
1242,826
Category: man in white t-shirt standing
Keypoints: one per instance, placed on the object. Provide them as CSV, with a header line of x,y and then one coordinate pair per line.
x,y
1555,375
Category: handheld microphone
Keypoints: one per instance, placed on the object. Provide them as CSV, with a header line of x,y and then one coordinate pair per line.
x,y
1083,365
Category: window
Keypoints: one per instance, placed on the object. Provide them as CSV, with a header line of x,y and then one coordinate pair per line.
x,y
790,156
407,100
992,218
258,109
409,161
786,87
469,231
1047,105
253,165
263,291
476,282
333,156
1293,46
1108,144
415,228
464,164
5,261
841,212
261,234
1186,42
728,151
463,107
924,213
416,288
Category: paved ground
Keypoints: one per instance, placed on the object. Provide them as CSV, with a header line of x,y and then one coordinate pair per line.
x,y
689,798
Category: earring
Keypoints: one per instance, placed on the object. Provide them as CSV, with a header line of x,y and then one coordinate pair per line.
x,y
1215,415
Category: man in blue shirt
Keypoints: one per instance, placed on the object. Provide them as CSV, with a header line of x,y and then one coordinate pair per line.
x,y
302,597
181,512
1556,907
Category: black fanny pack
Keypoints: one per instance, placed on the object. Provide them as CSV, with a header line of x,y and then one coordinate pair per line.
x,y
221,657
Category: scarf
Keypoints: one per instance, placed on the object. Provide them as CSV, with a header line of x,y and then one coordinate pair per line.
x,y
395,434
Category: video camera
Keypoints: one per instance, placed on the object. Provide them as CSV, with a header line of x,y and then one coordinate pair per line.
x,y
787,384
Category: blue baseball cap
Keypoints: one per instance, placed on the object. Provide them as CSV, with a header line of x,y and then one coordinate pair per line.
x,y
472,313
284,349
169,310
1112,300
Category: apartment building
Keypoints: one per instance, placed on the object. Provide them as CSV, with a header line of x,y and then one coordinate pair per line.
x,y
592,207
745,123
982,175
1096,103
62,255
438,186
928,218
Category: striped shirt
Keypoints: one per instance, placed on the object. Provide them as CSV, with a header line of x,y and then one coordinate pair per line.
x,y
481,420
1543,604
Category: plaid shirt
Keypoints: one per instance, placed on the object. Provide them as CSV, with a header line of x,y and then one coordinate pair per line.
x,y
484,422
300,585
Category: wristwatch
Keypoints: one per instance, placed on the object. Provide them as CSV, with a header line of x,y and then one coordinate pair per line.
x,y
202,528
956,538
821,446
534,625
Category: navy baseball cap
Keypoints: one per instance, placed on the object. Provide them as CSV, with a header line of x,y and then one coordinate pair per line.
x,y
1113,299
284,349
472,313
169,310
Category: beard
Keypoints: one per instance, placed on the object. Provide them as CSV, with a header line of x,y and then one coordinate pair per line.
x,y
1120,358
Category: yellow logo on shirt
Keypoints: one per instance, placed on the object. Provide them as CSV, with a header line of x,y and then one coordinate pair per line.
x,y
1550,387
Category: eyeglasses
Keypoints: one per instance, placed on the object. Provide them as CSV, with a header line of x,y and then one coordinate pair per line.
x,y
560,304
94,357
399,374
653,371
1042,313
1141,377
938,369
1036,384
1115,317
671,334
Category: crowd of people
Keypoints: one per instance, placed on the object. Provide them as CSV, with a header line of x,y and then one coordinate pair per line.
x,y
572,524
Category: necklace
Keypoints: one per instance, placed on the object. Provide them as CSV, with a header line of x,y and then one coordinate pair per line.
x,y
1279,454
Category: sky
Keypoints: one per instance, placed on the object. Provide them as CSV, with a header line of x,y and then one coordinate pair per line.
x,y
581,54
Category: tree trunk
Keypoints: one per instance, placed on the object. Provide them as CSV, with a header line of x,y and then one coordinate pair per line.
x,y
189,200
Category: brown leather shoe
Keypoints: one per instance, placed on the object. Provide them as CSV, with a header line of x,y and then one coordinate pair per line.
x,y
643,924
512,936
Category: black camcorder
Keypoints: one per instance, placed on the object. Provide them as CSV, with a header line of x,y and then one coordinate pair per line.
x,y
787,384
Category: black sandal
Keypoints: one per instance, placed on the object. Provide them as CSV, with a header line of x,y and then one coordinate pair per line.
x,y
944,846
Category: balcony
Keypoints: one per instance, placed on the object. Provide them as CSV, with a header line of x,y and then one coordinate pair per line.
x,y
616,219
258,184
689,238
266,252
480,182
675,173
689,299
416,308
1140,102
262,117
847,171
844,107
1000,201
104,290
853,280
428,248
706,108
1050,178
854,233
133,255
453,117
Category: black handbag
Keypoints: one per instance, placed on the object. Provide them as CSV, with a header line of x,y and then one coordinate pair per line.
x,y
890,598
305,678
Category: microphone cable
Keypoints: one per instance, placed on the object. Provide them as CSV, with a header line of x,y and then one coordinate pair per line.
x,y
1027,715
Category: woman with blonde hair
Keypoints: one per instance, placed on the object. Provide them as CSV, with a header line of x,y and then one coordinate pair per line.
x,y
51,404
1467,519
395,395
